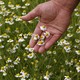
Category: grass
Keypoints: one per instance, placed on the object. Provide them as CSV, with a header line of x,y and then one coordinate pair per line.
x,y
58,62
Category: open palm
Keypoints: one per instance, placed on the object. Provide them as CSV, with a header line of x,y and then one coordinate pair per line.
x,y
54,17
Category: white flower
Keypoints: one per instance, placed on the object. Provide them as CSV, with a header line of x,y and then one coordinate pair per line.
x,y
31,55
1,2
30,21
5,35
3,69
35,37
23,79
17,61
47,34
13,50
1,40
63,42
67,48
43,28
78,68
69,35
18,19
77,52
27,47
18,6
42,37
23,0
1,46
46,77
11,5
78,30
0,57
4,73
0,24
17,75
24,74
23,7
67,78
31,49
9,60
27,4
24,12
10,40
77,40
21,40
40,42
25,36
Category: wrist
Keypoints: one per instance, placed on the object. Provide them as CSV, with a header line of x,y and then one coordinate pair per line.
x,y
69,5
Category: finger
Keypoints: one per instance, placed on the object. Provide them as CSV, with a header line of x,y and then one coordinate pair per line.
x,y
52,41
36,48
31,15
47,39
37,31
42,48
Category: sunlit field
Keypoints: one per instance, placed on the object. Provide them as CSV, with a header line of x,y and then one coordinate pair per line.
x,y
17,59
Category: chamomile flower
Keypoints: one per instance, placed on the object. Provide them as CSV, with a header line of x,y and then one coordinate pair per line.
x,y
35,37
18,6
4,73
18,19
25,36
47,76
10,40
23,7
0,57
31,21
27,4
17,75
5,35
41,42
31,49
1,46
23,0
1,2
24,12
8,60
31,55
47,34
42,37
21,40
43,28
27,47
0,24
67,78
17,61
77,52
67,48
78,68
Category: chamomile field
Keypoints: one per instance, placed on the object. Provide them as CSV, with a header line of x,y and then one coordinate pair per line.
x,y
17,59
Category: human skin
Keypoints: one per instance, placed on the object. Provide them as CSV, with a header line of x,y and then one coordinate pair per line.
x,y
55,15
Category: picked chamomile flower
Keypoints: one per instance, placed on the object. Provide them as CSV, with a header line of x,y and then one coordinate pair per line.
x,y
43,28
41,42
35,37
47,34
42,37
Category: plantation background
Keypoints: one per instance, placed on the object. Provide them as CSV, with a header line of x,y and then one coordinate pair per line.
x,y
18,62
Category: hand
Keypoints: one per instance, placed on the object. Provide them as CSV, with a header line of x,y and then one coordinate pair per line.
x,y
54,17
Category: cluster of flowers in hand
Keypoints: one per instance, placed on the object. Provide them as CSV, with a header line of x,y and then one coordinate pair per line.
x,y
41,38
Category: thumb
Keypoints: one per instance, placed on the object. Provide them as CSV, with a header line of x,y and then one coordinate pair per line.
x,y
31,15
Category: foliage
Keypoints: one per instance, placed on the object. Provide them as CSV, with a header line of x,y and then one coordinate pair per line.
x,y
17,59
